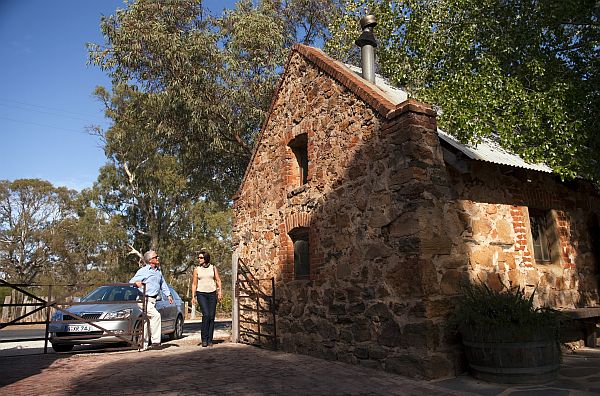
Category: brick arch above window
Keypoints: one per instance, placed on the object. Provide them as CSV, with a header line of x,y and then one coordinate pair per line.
x,y
295,228
297,159
296,220
295,133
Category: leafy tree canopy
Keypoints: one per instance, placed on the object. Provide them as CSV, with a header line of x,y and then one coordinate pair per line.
x,y
200,85
523,72
189,94
30,210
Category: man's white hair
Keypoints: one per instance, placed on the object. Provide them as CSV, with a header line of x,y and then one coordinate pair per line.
x,y
148,255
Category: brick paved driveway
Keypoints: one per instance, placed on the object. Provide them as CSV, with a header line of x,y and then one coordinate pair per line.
x,y
186,369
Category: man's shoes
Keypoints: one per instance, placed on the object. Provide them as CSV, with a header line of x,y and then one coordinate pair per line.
x,y
155,346
210,344
204,344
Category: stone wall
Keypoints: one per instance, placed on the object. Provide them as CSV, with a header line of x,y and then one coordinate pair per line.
x,y
393,230
369,207
493,205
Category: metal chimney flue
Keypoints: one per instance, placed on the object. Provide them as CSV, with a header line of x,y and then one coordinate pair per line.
x,y
367,44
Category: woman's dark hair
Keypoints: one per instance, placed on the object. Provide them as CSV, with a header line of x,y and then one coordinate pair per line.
x,y
206,256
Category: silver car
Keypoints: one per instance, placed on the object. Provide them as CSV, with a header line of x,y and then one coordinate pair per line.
x,y
116,308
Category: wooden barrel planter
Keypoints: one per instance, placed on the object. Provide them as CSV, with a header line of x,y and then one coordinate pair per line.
x,y
532,362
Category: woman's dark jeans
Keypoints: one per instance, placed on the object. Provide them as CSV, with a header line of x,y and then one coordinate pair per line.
x,y
208,306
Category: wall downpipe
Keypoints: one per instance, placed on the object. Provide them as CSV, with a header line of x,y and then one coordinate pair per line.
x,y
367,44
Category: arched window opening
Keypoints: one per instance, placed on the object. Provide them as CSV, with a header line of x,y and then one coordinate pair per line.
x,y
299,146
299,237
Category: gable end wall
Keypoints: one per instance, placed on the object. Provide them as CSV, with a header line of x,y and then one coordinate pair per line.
x,y
367,205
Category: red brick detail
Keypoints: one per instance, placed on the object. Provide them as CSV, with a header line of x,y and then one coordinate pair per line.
x,y
563,229
521,235
291,135
295,220
362,88
291,173
411,106
286,256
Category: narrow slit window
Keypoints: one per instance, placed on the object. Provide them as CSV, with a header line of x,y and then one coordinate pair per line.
x,y
542,235
299,238
299,146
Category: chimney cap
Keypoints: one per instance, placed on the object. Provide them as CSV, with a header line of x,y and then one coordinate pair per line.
x,y
368,21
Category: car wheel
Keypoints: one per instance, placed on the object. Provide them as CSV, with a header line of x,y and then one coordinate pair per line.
x,y
178,332
137,334
62,347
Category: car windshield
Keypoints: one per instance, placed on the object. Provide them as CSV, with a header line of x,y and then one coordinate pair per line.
x,y
112,293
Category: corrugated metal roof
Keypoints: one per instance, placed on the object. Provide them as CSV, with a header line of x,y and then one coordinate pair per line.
x,y
395,95
490,151
487,150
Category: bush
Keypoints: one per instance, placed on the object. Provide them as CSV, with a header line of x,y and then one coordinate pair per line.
x,y
225,305
484,314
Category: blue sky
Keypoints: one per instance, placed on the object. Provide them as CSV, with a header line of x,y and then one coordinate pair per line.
x,y
46,87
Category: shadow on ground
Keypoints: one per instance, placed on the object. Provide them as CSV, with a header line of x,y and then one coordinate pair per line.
x,y
31,360
28,366
236,369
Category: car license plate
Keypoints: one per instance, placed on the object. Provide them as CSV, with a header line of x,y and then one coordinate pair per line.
x,y
78,328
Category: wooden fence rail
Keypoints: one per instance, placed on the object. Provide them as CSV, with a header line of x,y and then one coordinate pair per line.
x,y
25,305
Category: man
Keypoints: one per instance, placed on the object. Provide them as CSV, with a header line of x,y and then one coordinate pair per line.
x,y
150,275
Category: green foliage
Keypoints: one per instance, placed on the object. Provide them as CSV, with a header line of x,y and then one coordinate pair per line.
x,y
55,236
484,314
198,86
522,72
225,306
189,94
30,212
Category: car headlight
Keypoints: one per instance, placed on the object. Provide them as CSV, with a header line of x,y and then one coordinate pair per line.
x,y
121,314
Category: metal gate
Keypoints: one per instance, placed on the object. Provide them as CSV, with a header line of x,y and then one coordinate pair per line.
x,y
56,303
256,308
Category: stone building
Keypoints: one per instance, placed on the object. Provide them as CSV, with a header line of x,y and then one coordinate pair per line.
x,y
369,217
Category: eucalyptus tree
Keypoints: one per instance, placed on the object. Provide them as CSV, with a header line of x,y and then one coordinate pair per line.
x,y
144,183
523,72
207,81
90,246
189,94
30,210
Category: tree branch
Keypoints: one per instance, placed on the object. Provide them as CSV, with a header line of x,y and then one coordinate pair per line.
x,y
136,252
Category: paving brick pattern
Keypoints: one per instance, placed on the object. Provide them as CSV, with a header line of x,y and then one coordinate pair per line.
x,y
186,369
183,368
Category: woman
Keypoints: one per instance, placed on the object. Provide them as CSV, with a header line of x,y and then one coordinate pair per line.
x,y
206,288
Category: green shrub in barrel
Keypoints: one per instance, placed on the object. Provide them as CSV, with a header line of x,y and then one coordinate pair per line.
x,y
506,338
